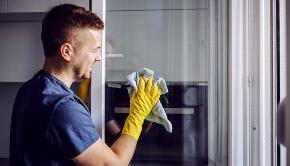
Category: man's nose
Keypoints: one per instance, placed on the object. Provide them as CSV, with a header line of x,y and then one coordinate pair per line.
x,y
99,57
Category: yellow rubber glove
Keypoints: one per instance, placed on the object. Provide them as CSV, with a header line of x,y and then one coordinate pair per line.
x,y
84,90
141,105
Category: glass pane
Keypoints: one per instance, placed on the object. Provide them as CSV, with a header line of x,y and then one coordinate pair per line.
x,y
172,38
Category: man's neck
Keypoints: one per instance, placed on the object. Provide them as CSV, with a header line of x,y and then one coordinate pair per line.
x,y
60,73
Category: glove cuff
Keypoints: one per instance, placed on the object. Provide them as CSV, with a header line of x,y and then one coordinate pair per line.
x,y
133,127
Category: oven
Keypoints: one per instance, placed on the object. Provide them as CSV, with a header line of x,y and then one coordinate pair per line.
x,y
186,108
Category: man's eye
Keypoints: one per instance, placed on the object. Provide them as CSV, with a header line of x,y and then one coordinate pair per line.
x,y
96,50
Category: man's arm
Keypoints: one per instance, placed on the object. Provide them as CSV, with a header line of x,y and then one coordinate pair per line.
x,y
99,153
122,150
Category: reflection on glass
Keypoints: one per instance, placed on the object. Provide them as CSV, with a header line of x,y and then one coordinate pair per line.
x,y
170,37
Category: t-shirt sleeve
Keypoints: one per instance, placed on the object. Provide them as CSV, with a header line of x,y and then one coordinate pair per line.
x,y
71,129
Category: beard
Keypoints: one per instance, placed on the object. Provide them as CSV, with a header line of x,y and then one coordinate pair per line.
x,y
79,75
86,75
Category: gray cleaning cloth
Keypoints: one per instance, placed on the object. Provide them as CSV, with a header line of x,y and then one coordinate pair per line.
x,y
158,114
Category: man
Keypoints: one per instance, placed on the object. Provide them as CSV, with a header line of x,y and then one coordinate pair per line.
x,y
50,125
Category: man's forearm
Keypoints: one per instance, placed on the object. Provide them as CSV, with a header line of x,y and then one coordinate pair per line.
x,y
124,147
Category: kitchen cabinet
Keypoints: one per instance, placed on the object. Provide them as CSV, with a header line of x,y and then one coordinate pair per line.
x,y
21,50
16,6
3,6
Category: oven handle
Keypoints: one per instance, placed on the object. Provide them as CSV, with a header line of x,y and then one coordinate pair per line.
x,y
184,111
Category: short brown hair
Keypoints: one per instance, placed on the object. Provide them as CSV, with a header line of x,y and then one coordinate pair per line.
x,y
59,22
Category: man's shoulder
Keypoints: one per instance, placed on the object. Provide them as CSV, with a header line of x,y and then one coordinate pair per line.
x,y
39,83
70,105
46,93
69,102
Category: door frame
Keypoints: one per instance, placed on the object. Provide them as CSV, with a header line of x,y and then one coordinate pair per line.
x,y
251,83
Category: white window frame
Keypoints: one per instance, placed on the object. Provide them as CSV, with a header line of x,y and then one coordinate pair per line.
x,y
251,83
98,75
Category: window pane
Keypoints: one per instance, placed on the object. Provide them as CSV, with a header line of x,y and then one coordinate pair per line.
x,y
175,39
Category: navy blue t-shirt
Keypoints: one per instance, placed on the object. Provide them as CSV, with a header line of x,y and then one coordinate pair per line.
x,y
50,125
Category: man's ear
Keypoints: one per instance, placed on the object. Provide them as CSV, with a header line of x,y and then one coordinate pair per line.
x,y
66,51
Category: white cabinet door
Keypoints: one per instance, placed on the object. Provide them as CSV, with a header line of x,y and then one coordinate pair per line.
x,y
3,6
15,6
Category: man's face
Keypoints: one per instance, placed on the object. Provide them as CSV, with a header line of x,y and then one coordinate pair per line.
x,y
87,51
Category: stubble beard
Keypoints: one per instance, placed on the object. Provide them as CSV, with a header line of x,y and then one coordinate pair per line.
x,y
86,75
78,75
